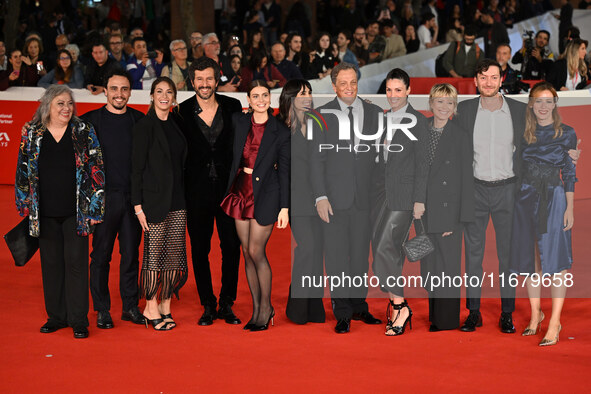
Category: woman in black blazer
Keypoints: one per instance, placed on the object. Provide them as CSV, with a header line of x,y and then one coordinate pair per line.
x,y
450,202
258,193
304,303
571,72
157,193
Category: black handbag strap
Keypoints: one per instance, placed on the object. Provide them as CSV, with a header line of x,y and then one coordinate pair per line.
x,y
409,227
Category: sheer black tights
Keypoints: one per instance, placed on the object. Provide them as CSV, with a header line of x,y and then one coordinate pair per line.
x,y
253,238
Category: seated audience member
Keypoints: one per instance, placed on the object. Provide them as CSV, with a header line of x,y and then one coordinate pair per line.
x,y
461,58
411,41
287,68
255,43
211,49
508,75
293,43
116,50
230,40
142,68
178,68
494,33
259,68
571,72
345,54
456,31
427,39
196,40
99,67
64,73
359,46
236,63
3,57
236,50
322,60
408,17
538,61
17,73
394,43
136,32
33,55
377,43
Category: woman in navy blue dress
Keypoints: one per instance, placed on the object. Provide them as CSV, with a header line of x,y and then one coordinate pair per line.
x,y
542,221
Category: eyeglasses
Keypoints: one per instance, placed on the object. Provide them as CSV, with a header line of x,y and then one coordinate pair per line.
x,y
213,43
180,49
235,38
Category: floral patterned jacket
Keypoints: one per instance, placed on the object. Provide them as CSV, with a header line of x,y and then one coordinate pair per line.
x,y
90,177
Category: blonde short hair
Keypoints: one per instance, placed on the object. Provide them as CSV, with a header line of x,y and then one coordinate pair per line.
x,y
444,90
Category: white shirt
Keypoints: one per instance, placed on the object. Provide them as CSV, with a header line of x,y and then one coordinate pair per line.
x,y
493,143
571,83
425,37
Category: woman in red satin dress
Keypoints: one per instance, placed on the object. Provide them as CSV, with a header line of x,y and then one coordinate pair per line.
x,y
258,195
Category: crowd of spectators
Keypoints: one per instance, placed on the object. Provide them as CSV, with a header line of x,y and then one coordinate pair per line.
x,y
253,40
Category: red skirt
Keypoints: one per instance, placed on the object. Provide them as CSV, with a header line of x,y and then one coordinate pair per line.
x,y
239,203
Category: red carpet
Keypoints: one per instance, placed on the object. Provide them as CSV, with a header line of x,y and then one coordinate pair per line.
x,y
287,358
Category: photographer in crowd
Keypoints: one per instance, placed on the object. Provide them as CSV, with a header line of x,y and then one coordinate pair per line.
x,y
534,57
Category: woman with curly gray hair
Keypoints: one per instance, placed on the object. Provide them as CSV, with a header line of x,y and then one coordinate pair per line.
x,y
59,186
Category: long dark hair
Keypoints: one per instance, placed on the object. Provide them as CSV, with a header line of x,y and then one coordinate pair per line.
x,y
289,92
153,88
60,74
255,84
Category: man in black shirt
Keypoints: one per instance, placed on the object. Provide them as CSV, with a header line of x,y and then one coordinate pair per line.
x,y
206,121
113,124
100,65
537,61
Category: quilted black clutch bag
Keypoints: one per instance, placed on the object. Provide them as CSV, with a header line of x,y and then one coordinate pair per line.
x,y
419,246
22,246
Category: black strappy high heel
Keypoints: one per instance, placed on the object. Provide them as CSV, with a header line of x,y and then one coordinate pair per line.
x,y
398,330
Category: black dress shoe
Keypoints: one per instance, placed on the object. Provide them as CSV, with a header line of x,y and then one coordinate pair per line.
x,y
80,332
434,328
366,317
50,327
133,315
473,320
103,320
506,323
343,326
225,312
209,315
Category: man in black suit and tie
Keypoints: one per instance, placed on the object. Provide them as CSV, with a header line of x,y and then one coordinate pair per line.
x,y
206,121
341,181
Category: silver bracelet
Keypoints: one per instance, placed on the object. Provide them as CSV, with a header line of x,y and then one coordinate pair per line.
x,y
137,213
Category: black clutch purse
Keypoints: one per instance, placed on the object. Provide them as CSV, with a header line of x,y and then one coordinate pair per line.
x,y
418,247
22,246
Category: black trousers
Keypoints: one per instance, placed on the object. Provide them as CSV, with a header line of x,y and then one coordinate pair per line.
x,y
200,221
64,269
304,303
444,297
346,254
388,257
497,203
120,221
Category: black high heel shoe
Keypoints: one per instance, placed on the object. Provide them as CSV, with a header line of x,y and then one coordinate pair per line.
x,y
155,322
266,325
249,326
398,330
169,324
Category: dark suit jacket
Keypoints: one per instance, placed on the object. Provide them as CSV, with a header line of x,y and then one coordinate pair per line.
x,y
467,110
403,178
302,202
450,186
559,76
151,168
202,155
270,176
341,176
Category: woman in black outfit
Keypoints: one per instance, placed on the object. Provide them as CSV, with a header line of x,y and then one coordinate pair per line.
x,y
258,194
157,193
304,304
59,187
571,72
450,202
